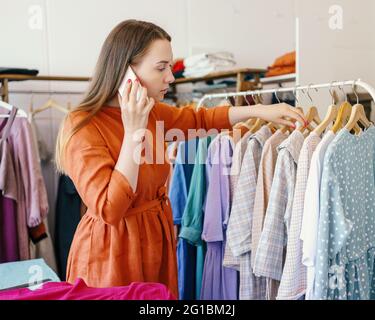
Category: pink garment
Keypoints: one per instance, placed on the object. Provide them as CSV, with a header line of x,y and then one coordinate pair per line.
x,y
23,181
28,166
80,291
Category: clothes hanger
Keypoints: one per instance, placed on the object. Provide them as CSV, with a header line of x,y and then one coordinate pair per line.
x,y
257,125
330,116
311,116
49,104
273,126
20,113
248,123
358,115
259,122
343,115
286,128
243,127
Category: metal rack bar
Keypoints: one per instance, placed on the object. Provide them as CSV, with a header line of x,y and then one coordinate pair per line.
x,y
353,83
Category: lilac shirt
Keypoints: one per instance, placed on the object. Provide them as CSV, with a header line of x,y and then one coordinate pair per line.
x,y
219,282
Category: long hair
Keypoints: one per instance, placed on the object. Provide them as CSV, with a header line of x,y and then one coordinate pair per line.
x,y
126,44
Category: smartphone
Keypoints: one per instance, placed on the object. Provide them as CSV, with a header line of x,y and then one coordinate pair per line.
x,y
132,76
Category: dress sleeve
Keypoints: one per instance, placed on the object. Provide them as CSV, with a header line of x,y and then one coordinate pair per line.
x,y
188,117
105,191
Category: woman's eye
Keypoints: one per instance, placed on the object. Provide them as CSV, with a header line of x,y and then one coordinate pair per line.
x,y
161,69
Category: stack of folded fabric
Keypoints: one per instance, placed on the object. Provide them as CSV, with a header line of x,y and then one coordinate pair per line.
x,y
285,64
202,64
22,71
178,68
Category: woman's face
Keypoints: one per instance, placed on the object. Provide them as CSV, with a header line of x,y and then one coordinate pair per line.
x,y
155,69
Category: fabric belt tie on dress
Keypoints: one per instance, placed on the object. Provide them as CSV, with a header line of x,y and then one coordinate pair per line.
x,y
163,204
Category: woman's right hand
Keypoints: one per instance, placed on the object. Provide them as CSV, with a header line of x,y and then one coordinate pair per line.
x,y
135,113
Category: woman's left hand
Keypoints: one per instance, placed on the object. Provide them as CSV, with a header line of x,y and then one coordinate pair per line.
x,y
282,114
279,114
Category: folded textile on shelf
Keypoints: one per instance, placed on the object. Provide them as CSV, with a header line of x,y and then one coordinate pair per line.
x,y
284,64
202,64
195,59
204,71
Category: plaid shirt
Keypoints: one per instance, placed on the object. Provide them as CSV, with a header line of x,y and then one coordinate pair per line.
x,y
293,281
269,256
239,228
263,188
229,260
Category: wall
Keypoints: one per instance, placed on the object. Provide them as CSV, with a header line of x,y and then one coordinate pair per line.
x,y
327,54
69,36
73,31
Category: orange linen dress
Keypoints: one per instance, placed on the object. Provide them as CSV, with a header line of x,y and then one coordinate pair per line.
x,y
126,236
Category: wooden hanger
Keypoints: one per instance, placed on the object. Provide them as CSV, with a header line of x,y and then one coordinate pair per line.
x,y
331,114
311,116
284,128
273,127
244,127
49,104
329,118
357,115
259,122
343,115
248,124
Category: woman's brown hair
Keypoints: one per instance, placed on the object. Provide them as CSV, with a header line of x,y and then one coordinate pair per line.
x,y
126,44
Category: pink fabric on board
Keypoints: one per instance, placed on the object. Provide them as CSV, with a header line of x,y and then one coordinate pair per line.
x,y
80,291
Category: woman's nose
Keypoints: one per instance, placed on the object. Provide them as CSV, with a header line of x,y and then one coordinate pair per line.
x,y
170,78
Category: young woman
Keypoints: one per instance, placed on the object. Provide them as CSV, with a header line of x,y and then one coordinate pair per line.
x,y
127,232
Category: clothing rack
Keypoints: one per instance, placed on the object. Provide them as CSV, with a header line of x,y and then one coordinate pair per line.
x,y
45,92
7,106
6,78
352,83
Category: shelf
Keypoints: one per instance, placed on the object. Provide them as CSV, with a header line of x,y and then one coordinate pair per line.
x,y
19,77
220,75
6,78
279,79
